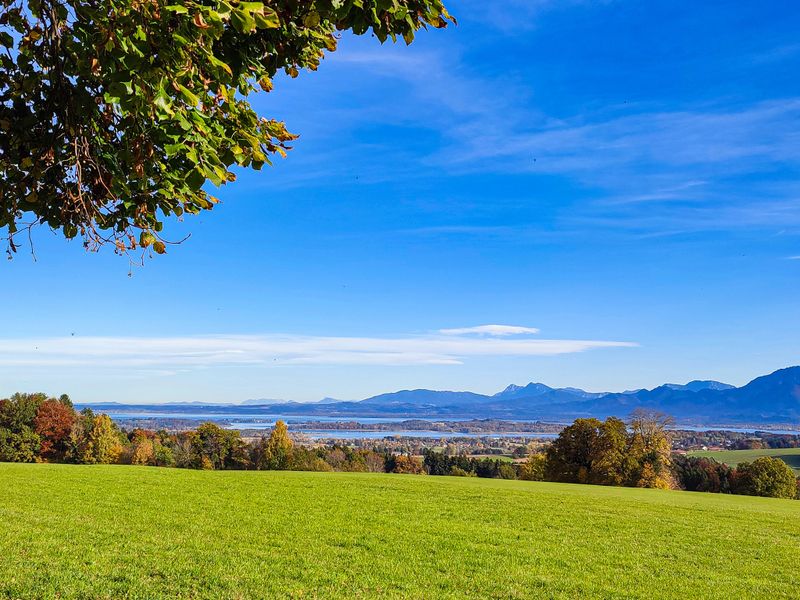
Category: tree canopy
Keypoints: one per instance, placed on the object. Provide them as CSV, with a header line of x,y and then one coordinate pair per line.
x,y
115,113
609,453
766,476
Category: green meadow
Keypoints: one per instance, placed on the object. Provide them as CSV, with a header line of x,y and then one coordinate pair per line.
x,y
791,456
72,531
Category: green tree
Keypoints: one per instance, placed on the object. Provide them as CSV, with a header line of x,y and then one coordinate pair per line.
x,y
19,411
18,446
19,441
307,459
765,476
590,451
506,471
163,456
114,114
459,472
216,448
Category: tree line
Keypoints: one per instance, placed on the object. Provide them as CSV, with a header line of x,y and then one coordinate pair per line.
x,y
38,428
638,454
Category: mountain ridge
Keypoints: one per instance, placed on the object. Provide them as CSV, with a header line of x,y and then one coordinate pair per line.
x,y
772,398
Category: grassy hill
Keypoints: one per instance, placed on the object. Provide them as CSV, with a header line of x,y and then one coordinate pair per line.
x,y
791,456
115,531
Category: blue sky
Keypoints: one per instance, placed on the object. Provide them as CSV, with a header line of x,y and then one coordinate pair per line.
x,y
620,176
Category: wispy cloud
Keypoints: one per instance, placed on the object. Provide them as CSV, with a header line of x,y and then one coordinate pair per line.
x,y
494,330
696,166
164,354
520,16
595,147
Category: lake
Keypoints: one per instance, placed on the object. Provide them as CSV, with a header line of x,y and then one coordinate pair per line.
x,y
260,421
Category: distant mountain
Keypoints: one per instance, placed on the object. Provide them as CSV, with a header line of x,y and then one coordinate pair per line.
x,y
523,391
261,402
698,385
773,398
533,390
425,398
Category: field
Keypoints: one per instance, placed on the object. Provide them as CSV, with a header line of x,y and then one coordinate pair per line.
x,y
115,531
791,456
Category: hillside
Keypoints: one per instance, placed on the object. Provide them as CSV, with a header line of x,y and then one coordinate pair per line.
x,y
113,531
791,456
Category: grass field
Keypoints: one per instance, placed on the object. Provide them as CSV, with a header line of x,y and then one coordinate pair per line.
x,y
791,456
115,532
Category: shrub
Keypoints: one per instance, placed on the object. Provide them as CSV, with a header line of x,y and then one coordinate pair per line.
x,y
459,472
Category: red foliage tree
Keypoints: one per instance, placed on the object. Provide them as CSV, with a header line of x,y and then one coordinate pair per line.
x,y
53,423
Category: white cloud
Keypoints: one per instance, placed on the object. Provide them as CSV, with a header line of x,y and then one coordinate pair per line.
x,y
165,354
495,330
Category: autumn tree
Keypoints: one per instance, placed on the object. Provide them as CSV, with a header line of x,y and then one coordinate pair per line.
x,y
53,424
142,448
410,465
533,469
337,459
114,114
105,440
701,474
94,439
275,452
651,449
374,462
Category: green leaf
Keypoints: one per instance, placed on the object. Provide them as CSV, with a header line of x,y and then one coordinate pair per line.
x,y
173,149
120,89
196,179
267,19
188,95
243,21
162,102
213,176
